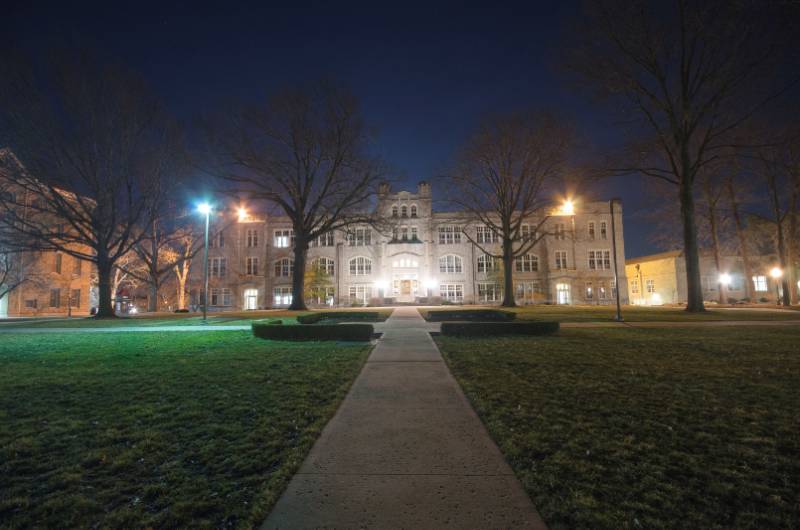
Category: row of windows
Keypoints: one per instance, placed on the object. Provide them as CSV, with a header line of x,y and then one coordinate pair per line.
x,y
759,284
73,299
402,211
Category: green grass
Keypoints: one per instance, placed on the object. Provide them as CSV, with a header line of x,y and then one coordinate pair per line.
x,y
159,429
645,428
233,318
563,313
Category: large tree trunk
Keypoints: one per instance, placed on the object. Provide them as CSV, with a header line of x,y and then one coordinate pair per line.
x,y
298,277
776,208
508,271
742,238
152,298
694,291
105,269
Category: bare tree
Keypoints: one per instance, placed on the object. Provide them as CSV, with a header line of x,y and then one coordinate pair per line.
x,y
500,178
305,152
690,73
736,200
186,246
97,149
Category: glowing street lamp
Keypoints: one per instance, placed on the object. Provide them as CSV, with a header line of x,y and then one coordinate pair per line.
x,y
242,212
205,209
725,279
430,284
567,208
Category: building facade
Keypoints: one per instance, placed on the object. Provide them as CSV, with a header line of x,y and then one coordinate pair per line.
x,y
661,279
420,256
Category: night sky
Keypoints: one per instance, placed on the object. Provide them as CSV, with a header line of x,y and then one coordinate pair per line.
x,y
425,74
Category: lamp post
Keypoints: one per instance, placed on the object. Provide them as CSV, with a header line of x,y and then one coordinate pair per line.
x,y
618,316
725,281
777,274
205,209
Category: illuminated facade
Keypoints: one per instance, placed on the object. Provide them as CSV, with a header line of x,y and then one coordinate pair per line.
x,y
421,257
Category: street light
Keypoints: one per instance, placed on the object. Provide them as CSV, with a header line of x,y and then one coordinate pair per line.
x,y
205,209
618,316
567,208
242,212
725,279
777,274
430,284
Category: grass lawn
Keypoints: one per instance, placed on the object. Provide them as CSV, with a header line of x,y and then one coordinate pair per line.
x,y
234,318
645,428
159,429
563,313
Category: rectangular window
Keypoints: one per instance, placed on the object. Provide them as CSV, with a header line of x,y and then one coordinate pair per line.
x,y
527,233
449,235
283,238
528,291
57,263
634,286
603,230
75,298
252,238
31,303
450,264
252,266
414,234
561,231
600,259
282,295
591,230
76,266
217,267
486,235
221,297
561,259
217,241
325,240
55,297
454,292
651,286
527,263
360,237
760,283
602,293
489,292
589,291
404,233
360,294
321,295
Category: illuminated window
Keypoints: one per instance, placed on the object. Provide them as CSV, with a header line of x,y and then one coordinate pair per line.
x,y
283,238
453,292
760,283
282,295
650,286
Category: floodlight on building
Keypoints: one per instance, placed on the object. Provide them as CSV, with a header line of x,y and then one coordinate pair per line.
x,y
776,272
431,283
567,208
380,284
725,279
243,215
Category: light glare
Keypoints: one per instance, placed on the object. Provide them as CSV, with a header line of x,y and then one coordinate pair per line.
x,y
204,208
725,279
776,272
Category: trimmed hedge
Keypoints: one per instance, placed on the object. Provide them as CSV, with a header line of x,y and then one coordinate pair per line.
x,y
358,332
313,318
481,315
488,329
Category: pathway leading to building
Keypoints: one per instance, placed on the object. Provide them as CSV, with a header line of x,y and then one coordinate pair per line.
x,y
404,450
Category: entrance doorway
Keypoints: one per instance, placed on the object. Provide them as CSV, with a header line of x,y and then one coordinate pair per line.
x,y
250,299
562,293
405,287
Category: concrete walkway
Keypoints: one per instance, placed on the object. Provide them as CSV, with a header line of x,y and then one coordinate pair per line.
x,y
404,450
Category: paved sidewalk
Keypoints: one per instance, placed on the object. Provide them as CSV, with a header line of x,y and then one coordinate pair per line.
x,y
405,450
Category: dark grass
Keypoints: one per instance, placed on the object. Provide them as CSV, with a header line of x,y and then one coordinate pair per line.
x,y
645,428
181,319
564,313
160,430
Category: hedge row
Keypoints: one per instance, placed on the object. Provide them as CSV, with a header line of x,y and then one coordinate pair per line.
x,y
488,329
483,315
267,330
313,318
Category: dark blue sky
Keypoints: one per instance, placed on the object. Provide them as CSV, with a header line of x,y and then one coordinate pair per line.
x,y
425,73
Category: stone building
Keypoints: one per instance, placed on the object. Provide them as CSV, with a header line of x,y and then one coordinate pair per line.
x,y
422,256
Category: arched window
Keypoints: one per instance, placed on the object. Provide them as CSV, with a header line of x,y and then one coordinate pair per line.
x,y
413,210
394,211
360,266
324,265
487,263
404,211
450,264
284,267
527,263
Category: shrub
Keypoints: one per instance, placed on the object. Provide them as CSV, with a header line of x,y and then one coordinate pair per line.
x,y
359,332
181,311
488,329
732,300
313,318
482,315
763,299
